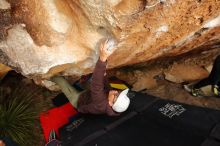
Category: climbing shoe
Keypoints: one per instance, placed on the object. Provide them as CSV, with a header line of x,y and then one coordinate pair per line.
x,y
216,90
201,92
196,92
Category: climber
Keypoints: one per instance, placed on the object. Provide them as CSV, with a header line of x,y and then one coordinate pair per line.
x,y
213,79
99,99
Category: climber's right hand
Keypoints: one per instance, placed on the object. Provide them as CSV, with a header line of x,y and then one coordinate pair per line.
x,y
104,53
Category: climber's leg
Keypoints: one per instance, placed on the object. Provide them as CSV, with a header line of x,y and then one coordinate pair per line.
x,y
71,93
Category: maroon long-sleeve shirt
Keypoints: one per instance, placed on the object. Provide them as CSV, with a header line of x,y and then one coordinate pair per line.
x,y
95,100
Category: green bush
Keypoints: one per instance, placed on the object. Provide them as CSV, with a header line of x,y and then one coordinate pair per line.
x,y
19,115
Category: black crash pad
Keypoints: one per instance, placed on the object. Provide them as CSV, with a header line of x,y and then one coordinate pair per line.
x,y
148,121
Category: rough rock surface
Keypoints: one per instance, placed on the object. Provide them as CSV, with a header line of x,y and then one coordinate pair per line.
x,y
46,37
180,73
181,69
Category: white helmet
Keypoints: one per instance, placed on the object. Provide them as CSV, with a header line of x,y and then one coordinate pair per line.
x,y
122,102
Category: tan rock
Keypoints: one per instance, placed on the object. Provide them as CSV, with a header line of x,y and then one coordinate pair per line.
x,y
146,79
128,77
3,70
179,73
4,4
209,68
144,82
139,79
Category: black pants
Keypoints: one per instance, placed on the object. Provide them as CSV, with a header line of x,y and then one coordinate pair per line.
x,y
214,76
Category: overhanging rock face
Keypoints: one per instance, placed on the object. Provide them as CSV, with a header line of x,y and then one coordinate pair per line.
x,y
45,37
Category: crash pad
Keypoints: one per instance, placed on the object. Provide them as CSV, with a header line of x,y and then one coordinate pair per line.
x,y
55,118
149,121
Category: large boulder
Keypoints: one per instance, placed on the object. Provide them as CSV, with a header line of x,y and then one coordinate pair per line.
x,y
42,38
180,73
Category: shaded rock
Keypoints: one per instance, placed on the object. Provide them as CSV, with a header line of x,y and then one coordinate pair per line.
x,y
127,76
144,83
4,70
179,73
145,80
140,79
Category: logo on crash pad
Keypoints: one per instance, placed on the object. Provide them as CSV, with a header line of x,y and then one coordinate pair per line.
x,y
74,125
171,110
